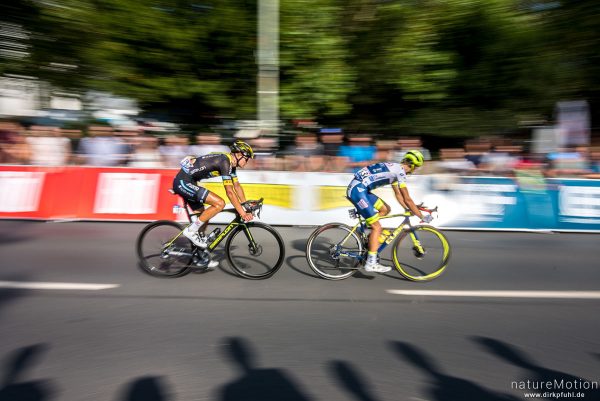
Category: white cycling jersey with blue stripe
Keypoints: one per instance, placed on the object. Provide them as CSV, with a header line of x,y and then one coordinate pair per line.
x,y
380,174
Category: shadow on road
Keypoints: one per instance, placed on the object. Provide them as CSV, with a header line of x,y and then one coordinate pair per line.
x,y
352,381
13,387
255,383
147,388
444,387
536,373
294,261
298,262
299,244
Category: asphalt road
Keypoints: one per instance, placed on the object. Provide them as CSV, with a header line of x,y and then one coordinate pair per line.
x,y
214,336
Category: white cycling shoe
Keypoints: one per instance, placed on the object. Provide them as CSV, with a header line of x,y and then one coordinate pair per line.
x,y
194,236
376,268
211,264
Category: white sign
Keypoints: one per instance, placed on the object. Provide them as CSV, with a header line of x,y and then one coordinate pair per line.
x,y
127,193
21,191
579,201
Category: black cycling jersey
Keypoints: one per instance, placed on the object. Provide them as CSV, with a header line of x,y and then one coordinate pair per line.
x,y
208,166
194,169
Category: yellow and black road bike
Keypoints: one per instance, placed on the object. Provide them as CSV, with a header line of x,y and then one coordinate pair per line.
x,y
336,251
254,250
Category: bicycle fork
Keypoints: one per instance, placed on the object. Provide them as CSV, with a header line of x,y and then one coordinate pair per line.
x,y
254,248
418,249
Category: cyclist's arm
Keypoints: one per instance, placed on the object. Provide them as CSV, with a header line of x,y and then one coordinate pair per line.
x,y
399,196
405,200
235,200
232,195
229,183
239,190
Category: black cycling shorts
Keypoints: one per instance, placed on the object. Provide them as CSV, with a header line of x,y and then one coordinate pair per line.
x,y
193,194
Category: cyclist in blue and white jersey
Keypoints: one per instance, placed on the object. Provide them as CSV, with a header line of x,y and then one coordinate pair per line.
x,y
194,169
371,207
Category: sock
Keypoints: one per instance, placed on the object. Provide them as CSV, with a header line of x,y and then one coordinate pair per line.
x,y
195,226
372,257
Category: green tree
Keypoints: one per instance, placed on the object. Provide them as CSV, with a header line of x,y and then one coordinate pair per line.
x,y
316,77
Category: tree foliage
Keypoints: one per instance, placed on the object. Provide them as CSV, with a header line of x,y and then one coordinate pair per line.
x,y
443,67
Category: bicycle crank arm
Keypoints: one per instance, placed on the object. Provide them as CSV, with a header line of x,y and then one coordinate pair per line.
x,y
178,253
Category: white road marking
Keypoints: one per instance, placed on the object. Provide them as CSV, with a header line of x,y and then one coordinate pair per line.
x,y
502,294
56,286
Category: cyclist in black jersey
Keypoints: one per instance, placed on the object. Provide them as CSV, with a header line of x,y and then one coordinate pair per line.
x,y
194,169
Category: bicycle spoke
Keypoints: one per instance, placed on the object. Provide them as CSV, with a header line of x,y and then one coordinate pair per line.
x,y
333,251
418,266
255,250
157,260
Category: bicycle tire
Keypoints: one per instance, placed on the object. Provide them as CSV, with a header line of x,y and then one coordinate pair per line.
x,y
409,261
157,261
255,264
319,253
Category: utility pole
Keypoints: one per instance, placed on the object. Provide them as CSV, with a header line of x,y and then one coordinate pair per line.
x,y
268,66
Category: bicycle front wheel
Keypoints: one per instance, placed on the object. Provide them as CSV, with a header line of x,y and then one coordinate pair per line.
x,y
333,251
162,251
421,253
255,250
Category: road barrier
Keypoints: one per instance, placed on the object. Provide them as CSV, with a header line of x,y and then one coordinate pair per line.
x,y
526,202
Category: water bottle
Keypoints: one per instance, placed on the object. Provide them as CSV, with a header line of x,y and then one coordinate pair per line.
x,y
211,237
384,235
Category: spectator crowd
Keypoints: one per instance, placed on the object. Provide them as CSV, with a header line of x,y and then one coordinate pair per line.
x,y
309,151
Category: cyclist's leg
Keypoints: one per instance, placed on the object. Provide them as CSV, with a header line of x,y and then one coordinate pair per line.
x,y
377,210
371,208
368,205
196,197
217,204
193,194
383,208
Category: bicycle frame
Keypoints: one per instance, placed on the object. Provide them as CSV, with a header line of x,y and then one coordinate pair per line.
x,y
361,228
234,223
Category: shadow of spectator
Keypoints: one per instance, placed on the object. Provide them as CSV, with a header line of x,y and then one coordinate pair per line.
x,y
352,381
13,388
445,387
537,373
147,388
256,383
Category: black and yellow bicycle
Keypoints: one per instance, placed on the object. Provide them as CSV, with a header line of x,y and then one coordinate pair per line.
x,y
336,251
254,250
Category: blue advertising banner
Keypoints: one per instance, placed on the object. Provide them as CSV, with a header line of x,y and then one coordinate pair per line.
x,y
526,202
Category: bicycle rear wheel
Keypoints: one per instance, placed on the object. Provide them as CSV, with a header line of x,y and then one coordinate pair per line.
x,y
162,251
255,250
333,251
414,265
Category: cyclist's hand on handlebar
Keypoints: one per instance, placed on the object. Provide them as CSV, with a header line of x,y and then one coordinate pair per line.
x,y
427,218
247,216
